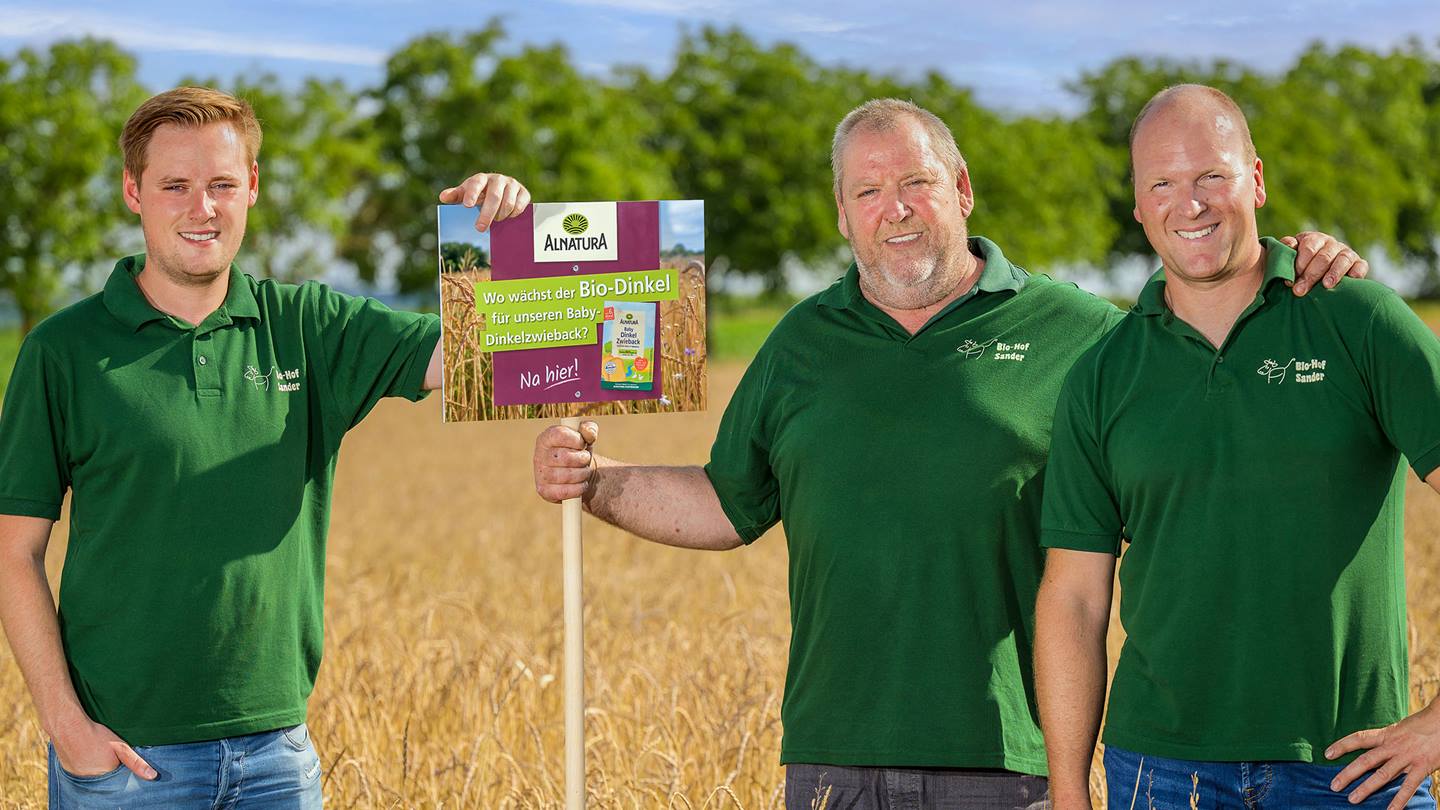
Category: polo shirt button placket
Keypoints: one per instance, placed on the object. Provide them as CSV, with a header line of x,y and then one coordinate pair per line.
x,y
207,376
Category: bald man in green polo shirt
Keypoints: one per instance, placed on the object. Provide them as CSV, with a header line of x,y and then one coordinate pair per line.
x,y
194,414
1263,589
897,422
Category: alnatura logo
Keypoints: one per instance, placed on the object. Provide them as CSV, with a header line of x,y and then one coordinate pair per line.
x,y
575,224
576,232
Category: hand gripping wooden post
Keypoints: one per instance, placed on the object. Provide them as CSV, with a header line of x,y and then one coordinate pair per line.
x,y
574,650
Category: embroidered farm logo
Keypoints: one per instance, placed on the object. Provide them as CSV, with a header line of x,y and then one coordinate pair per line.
x,y
1306,371
287,381
1003,351
576,232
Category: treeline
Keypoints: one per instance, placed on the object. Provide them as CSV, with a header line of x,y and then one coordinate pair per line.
x,y
1350,139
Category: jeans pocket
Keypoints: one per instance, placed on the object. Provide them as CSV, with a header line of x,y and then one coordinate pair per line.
x,y
83,780
297,737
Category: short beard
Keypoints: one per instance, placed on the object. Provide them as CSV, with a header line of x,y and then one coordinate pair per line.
x,y
934,288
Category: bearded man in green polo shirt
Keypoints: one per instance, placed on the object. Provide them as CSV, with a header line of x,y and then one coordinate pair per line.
x,y
1263,590
897,422
194,414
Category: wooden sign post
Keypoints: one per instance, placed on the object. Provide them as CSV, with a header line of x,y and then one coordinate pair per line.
x,y
574,650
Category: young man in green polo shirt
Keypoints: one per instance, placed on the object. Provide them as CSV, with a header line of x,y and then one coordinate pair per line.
x,y
1263,592
897,422
194,414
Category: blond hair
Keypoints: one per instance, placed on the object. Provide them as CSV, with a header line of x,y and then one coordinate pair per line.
x,y
186,107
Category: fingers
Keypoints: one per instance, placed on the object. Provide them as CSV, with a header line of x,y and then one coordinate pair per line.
x,y
132,760
1289,241
1355,770
499,197
559,436
1365,738
1322,258
563,463
507,203
1412,783
1377,781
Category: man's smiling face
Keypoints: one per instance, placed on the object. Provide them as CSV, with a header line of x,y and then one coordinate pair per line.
x,y
1197,187
192,198
903,211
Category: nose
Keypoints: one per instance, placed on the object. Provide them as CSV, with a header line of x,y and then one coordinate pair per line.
x,y
1195,204
894,209
202,206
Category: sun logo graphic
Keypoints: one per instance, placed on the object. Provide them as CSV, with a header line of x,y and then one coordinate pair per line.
x,y
1273,371
970,348
575,224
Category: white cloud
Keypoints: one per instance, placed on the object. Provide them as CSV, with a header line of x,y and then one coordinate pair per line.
x,y
140,35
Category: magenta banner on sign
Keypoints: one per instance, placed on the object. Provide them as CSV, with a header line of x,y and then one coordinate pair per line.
x,y
536,376
522,349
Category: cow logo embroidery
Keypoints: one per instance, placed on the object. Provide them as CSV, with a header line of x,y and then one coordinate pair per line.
x,y
260,381
971,349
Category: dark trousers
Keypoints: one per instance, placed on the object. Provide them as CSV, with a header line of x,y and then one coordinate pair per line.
x,y
837,787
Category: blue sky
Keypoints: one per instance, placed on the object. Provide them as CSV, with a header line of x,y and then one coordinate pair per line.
x,y
1015,55
457,224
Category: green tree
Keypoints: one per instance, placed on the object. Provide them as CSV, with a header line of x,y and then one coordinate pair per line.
x,y
1353,137
451,105
747,129
60,116
462,256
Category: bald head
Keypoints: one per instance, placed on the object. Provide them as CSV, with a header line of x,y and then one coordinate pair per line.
x,y
1200,104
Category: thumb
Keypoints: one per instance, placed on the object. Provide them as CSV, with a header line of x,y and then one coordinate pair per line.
x,y
132,760
589,431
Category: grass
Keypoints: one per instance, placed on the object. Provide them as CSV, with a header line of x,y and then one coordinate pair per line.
x,y
739,325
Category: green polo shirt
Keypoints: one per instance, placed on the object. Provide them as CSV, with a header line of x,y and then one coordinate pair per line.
x,y
907,472
1260,489
200,461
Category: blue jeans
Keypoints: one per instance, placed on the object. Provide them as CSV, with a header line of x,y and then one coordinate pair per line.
x,y
266,771
1142,781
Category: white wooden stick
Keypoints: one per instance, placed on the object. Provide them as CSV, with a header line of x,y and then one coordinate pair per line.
x,y
574,651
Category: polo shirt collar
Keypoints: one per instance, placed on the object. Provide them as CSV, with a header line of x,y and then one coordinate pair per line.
x,y
1279,265
999,275
123,298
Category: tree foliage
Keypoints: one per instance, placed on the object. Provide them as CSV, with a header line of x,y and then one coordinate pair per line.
x,y
60,116
452,105
1350,140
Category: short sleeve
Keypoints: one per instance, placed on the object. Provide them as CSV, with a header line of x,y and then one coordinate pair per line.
x,y
739,467
369,351
34,473
1401,361
1081,511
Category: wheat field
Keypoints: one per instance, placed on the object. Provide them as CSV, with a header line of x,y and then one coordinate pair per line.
x,y
441,681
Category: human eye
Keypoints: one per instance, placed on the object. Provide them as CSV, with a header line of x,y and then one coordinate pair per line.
x,y
1159,185
865,192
